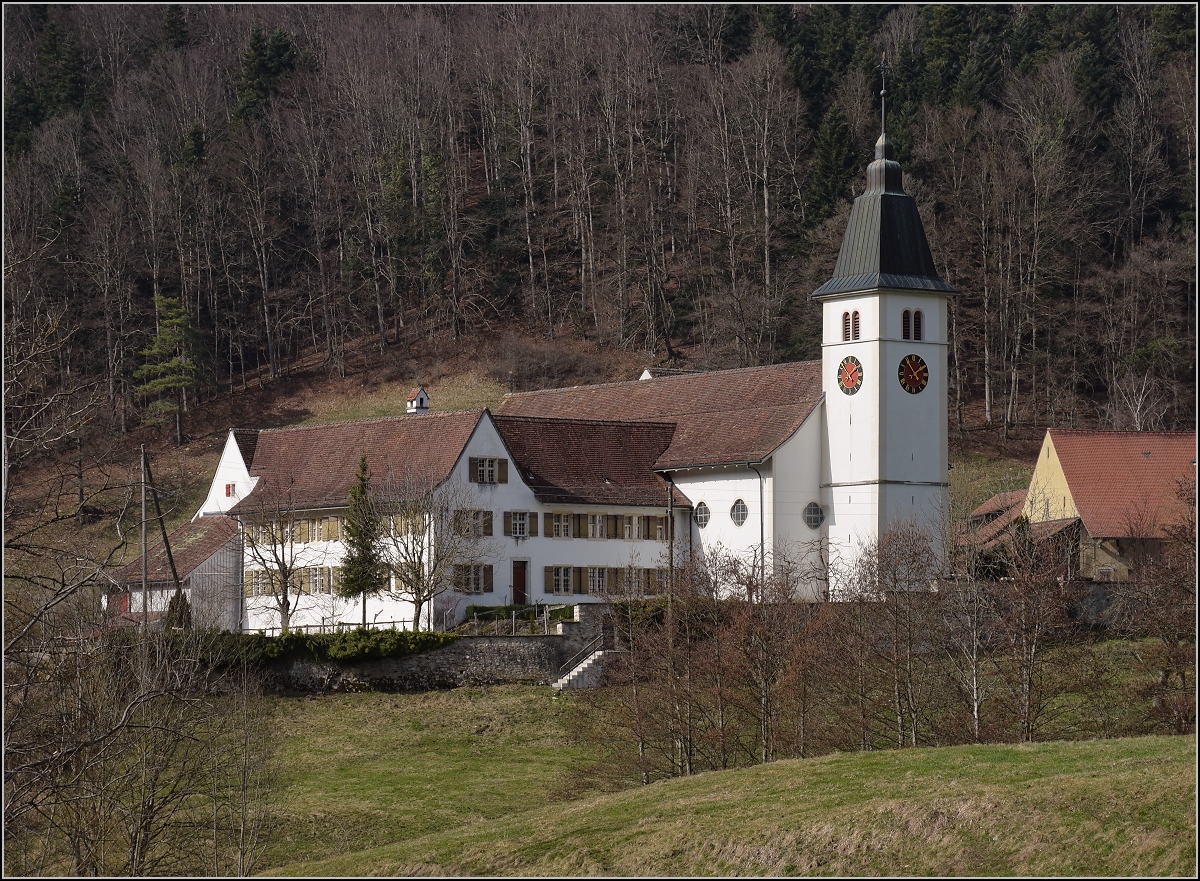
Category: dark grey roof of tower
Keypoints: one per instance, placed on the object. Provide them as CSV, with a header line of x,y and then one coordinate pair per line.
x,y
885,244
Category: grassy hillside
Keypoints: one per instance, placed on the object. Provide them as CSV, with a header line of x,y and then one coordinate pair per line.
x,y
479,782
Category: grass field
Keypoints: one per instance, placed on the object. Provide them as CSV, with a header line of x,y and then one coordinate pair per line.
x,y
479,782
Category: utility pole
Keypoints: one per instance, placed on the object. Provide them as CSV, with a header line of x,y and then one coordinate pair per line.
x,y
145,607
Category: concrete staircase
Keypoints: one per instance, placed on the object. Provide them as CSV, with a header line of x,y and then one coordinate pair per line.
x,y
586,674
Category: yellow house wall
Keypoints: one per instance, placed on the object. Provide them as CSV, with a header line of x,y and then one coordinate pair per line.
x,y
1049,496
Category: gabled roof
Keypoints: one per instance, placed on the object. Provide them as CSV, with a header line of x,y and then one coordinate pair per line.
x,y
191,544
314,466
884,245
721,417
1125,480
999,504
590,462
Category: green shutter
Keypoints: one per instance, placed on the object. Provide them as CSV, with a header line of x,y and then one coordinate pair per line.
x,y
508,515
532,518
501,471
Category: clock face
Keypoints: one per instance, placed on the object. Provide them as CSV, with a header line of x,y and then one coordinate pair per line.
x,y
913,374
850,375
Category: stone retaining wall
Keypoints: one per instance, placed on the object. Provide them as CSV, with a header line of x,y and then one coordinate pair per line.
x,y
469,660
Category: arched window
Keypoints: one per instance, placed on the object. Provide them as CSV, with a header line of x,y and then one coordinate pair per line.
x,y
854,326
917,329
845,326
906,324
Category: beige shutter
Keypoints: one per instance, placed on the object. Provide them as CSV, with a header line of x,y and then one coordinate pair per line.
x,y
473,469
549,580
613,530
249,583
579,526
487,578
508,522
578,582
532,518
487,523
501,471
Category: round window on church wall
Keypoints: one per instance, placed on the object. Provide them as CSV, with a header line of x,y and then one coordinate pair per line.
x,y
738,512
702,515
813,516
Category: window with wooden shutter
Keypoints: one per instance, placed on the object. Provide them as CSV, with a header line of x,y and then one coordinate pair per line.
x,y
578,582
846,327
614,526
501,471
473,470
487,523
918,325
249,583
651,581
508,523
548,584
487,578
906,325
579,528
562,525
533,524
854,324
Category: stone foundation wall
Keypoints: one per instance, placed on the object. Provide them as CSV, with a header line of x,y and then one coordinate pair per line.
x,y
469,660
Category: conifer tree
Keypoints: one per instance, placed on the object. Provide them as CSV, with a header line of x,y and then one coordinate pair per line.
x,y
364,572
170,368
835,165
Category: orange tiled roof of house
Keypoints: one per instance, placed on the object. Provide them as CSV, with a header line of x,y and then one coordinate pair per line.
x,y
314,466
1125,479
721,417
191,544
590,462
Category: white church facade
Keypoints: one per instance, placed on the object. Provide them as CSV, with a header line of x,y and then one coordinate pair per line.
x,y
576,494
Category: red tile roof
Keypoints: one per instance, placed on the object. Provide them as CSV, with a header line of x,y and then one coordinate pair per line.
x,y
721,417
590,462
999,503
191,544
314,466
1125,480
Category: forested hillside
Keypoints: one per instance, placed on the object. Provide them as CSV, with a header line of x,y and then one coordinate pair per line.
x,y
198,193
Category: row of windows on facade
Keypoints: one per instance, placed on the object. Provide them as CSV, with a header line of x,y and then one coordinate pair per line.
x,y
814,514
517,524
911,325
472,578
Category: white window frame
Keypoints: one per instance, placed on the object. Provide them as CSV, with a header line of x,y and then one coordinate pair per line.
x,y
562,580
597,525
520,524
597,585
561,526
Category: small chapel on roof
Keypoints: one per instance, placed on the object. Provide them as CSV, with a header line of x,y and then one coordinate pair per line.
x,y
576,494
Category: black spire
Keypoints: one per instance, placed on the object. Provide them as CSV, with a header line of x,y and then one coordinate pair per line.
x,y
884,245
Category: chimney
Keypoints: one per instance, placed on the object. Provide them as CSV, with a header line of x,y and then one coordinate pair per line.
x,y
418,401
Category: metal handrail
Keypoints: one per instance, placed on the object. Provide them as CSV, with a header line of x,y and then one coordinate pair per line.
x,y
580,656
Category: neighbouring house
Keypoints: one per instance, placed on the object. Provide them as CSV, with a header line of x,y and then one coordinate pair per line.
x,y
582,492
1118,495
208,561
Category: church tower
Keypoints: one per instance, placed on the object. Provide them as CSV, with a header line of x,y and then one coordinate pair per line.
x,y
884,369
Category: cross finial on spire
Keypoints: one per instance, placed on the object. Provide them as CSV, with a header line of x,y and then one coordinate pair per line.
x,y
884,69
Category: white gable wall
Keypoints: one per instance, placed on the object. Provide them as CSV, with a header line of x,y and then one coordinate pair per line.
x,y
230,470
